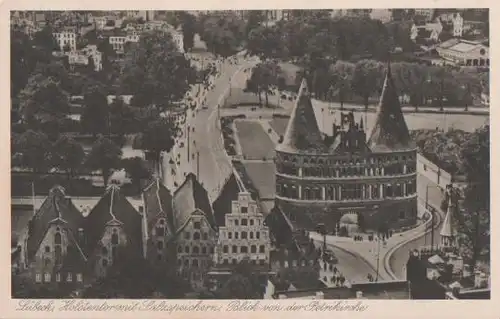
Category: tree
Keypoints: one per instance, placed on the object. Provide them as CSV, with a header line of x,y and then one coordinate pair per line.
x,y
22,60
104,156
366,79
133,277
137,170
67,155
474,221
159,136
44,40
242,284
188,23
341,77
123,118
32,150
43,104
264,77
157,70
95,116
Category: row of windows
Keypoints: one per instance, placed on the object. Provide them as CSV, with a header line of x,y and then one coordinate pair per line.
x,y
386,170
47,277
347,192
358,161
245,235
244,249
295,263
194,263
234,261
196,235
195,250
243,221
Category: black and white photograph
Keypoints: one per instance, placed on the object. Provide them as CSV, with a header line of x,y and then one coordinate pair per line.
x,y
328,154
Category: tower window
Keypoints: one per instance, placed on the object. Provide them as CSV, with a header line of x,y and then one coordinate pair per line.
x,y
244,210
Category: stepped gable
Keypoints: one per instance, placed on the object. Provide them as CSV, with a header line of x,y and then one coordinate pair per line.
x,y
224,202
302,133
113,208
158,203
188,198
389,132
56,208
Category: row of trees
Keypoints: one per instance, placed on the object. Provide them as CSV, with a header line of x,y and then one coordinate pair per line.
x,y
36,152
344,81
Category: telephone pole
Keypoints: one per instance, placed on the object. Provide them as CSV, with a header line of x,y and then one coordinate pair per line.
x,y
188,144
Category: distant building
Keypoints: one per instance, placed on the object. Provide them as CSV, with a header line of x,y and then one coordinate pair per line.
x,y
66,39
82,57
320,178
464,53
427,14
118,43
428,31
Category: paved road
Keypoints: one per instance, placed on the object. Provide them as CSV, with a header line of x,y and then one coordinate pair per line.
x,y
398,259
214,166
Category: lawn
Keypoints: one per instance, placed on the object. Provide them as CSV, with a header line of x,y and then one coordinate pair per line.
x,y
263,177
254,141
279,125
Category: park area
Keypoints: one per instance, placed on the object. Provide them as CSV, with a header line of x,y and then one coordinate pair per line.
x,y
255,142
262,175
279,124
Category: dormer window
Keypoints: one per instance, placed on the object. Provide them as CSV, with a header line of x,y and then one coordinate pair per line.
x,y
244,210
197,225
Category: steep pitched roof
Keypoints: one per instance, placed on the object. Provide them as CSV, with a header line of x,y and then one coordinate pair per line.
x,y
302,132
158,203
55,208
189,197
390,132
223,204
448,230
113,207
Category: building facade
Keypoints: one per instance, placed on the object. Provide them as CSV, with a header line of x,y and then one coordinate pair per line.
x,y
66,39
320,178
244,235
464,53
196,234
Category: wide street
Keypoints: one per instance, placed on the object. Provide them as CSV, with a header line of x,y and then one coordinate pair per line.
x,y
205,139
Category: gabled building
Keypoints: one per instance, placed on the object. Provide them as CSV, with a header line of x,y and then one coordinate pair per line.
x,y
159,225
53,247
113,227
244,236
319,178
195,231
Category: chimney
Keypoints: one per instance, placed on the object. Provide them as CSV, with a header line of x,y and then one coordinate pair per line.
x,y
320,295
359,295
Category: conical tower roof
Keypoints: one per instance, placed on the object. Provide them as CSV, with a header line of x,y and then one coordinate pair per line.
x,y
302,133
389,132
447,230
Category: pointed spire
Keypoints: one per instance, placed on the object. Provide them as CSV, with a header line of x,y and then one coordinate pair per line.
x,y
390,132
302,132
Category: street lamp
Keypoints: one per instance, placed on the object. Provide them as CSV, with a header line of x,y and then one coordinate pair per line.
x,y
378,255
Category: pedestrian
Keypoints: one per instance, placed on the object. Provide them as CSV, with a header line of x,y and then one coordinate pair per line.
x,y
342,280
334,269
